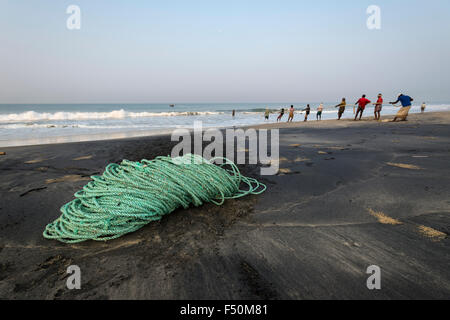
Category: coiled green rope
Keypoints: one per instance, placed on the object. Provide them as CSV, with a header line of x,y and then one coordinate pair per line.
x,y
130,195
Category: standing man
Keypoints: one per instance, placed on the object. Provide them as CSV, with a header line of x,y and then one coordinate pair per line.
x,y
422,108
378,107
266,114
308,111
291,114
341,108
362,103
319,112
406,106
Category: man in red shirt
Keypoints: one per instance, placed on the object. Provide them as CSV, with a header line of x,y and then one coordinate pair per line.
x,y
378,107
361,106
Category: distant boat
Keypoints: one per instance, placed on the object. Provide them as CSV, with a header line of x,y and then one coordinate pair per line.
x,y
171,105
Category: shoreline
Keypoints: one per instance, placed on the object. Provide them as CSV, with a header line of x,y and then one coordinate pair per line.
x,y
349,195
167,132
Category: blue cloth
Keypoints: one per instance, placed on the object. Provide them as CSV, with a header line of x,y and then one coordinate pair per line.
x,y
405,100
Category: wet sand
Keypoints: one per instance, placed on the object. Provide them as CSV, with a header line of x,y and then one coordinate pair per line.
x,y
349,195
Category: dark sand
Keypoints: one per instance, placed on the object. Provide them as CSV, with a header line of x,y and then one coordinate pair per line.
x,y
338,208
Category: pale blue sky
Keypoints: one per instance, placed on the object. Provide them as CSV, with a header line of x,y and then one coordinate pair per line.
x,y
222,51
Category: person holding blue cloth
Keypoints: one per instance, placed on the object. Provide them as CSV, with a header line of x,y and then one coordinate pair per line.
x,y
406,106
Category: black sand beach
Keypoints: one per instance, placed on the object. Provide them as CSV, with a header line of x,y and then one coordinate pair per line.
x,y
349,195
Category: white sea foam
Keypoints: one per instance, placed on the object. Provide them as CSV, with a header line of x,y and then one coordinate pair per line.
x,y
30,116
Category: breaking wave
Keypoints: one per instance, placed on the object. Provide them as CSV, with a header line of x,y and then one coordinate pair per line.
x,y
116,114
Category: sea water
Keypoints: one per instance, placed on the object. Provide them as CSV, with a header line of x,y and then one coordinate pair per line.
x,y
29,124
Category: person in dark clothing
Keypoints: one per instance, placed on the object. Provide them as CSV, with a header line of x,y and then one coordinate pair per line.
x,y
281,115
308,111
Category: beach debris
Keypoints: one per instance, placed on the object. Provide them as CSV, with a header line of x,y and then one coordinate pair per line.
x,y
295,145
404,166
132,194
83,158
285,171
2,153
72,178
431,233
383,218
34,161
300,159
322,152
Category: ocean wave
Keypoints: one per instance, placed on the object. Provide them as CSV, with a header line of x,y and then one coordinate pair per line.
x,y
30,116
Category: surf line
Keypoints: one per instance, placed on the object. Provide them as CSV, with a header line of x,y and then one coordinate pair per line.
x,y
193,310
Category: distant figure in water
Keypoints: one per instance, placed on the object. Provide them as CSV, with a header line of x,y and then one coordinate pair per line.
x,y
406,106
308,110
233,113
341,108
422,108
378,107
281,114
266,114
319,112
361,106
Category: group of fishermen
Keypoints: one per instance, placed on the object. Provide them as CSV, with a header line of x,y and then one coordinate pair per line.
x,y
361,104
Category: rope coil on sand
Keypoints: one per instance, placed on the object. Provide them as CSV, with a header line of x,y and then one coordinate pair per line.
x,y
130,195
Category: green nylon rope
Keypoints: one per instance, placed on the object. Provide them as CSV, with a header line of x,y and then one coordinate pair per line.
x,y
130,195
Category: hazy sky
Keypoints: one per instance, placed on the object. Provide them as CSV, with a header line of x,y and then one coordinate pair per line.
x,y
222,51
